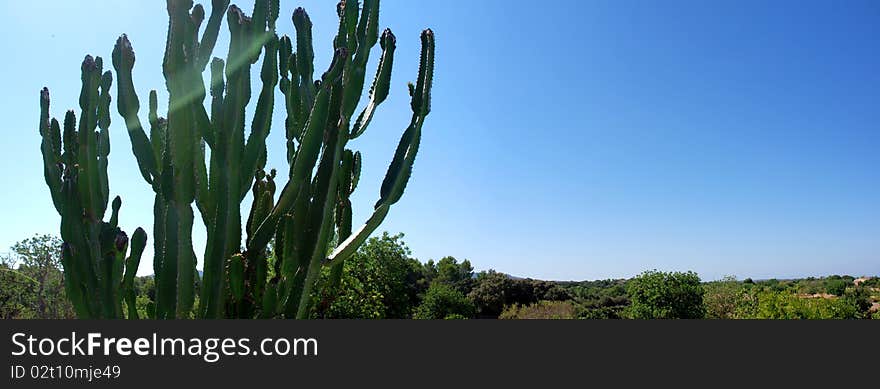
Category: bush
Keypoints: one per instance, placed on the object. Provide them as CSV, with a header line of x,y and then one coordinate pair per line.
x,y
835,286
660,295
540,310
377,282
494,291
722,298
442,301
609,312
786,305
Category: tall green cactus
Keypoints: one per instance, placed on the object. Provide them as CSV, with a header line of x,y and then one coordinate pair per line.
x,y
98,276
313,208
319,121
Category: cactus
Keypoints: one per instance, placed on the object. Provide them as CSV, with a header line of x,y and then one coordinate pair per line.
x,y
319,120
98,276
312,210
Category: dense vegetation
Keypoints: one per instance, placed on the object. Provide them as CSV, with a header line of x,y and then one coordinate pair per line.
x,y
383,281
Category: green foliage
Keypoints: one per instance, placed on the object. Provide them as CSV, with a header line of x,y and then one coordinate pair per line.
x,y
785,305
31,281
601,299
310,215
835,286
494,291
660,295
449,271
721,298
378,282
860,298
441,301
540,310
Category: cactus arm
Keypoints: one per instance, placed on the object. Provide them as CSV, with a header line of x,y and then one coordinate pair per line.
x,y
87,141
114,245
306,155
138,243
368,26
361,42
236,277
182,141
255,149
51,150
350,245
157,137
355,170
381,84
305,55
114,216
227,114
72,284
322,217
212,29
166,284
202,194
103,142
343,211
289,86
400,168
128,106
163,252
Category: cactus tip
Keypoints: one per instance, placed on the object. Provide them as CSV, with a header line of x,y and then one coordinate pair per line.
x,y
106,80
198,14
123,50
121,240
89,64
300,16
388,38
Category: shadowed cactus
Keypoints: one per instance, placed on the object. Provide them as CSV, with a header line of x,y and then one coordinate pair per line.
x,y
98,276
313,209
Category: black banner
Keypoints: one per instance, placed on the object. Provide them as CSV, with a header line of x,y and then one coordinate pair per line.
x,y
415,353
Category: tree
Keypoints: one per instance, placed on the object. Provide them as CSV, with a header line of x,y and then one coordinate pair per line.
x,y
452,273
722,298
443,301
540,310
35,289
835,286
660,295
860,298
380,281
494,291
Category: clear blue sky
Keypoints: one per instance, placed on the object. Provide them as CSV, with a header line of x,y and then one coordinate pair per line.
x,y
570,139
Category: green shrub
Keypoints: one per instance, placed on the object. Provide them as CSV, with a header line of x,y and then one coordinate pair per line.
x,y
660,295
441,301
835,286
786,305
540,310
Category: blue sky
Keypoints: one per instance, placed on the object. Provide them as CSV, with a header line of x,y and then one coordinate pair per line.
x,y
568,140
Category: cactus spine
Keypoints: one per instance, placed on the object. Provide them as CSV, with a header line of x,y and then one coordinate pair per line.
x,y
313,208
98,276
